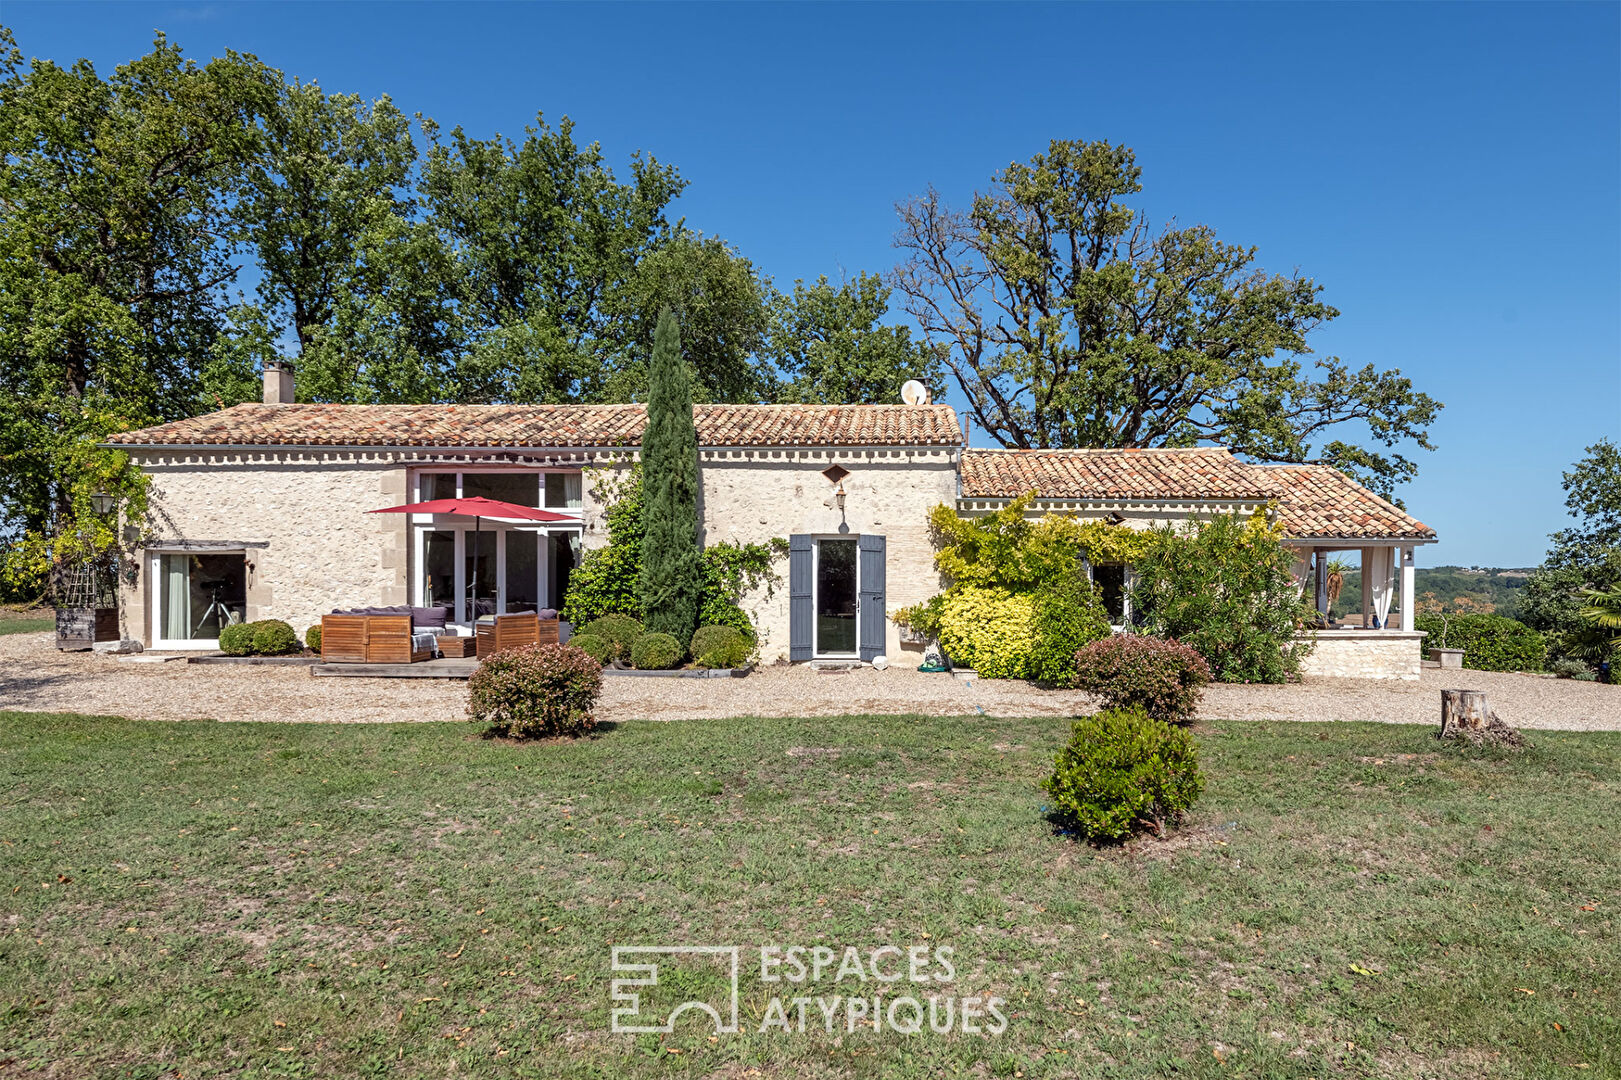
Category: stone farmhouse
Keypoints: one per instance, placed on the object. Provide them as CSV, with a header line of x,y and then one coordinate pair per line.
x,y
261,511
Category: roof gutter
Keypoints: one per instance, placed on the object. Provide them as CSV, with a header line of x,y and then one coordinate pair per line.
x,y
431,449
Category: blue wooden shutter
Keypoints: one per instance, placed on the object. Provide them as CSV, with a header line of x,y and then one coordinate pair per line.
x,y
801,603
873,624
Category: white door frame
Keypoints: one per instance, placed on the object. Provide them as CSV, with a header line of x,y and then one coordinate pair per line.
x,y
159,642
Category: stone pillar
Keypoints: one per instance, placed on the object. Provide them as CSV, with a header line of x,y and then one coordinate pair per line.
x,y
1407,598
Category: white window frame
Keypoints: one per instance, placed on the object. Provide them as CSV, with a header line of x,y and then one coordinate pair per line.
x,y
816,595
155,576
425,523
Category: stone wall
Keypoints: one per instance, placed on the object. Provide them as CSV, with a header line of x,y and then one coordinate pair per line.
x,y
1365,654
753,495
320,548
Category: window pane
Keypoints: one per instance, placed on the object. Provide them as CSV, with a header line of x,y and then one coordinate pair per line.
x,y
480,570
523,571
201,594
439,569
563,491
441,485
836,596
520,488
1110,579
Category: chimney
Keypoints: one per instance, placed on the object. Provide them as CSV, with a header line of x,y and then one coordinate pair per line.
x,y
278,382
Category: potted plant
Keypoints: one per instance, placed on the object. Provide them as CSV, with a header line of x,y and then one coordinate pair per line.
x,y
1447,658
1334,584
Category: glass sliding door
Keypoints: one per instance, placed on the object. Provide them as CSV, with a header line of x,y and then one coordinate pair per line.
x,y
480,587
518,569
439,570
522,571
198,594
836,597
561,560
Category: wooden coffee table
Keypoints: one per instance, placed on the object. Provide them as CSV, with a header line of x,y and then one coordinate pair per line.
x,y
456,645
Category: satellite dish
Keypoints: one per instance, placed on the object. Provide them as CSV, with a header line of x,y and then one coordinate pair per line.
x,y
914,393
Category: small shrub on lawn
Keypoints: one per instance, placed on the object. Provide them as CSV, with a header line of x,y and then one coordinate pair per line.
x,y
536,691
655,652
237,639
1125,671
597,648
720,647
312,638
1489,642
1122,772
272,637
619,631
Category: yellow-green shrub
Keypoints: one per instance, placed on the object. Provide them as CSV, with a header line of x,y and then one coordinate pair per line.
x,y
988,629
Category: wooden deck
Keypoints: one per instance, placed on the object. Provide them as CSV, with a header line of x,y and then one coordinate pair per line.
x,y
443,668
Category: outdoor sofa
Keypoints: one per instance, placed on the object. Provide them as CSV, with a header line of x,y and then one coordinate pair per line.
x,y
381,635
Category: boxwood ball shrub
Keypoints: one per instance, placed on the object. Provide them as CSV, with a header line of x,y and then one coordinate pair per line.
x,y
720,647
236,639
536,691
1489,642
1128,671
1122,772
597,648
619,631
312,638
655,652
272,637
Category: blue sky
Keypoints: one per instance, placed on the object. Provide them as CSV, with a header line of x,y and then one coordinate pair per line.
x,y
1451,173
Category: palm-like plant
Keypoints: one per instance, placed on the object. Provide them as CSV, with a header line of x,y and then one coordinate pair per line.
x,y
1603,611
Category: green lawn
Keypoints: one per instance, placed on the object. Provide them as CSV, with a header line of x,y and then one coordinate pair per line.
x,y
301,900
24,622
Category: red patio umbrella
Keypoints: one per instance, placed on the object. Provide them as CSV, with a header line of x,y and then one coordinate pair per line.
x,y
477,508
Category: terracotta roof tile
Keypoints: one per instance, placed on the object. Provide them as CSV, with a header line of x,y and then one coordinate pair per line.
x,y
1313,500
1201,472
550,425
1322,501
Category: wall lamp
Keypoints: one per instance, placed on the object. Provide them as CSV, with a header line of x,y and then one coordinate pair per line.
x,y
102,503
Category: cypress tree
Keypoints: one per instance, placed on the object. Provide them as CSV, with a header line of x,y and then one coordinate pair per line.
x,y
672,573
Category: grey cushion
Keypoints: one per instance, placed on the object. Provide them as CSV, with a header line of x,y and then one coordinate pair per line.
x,y
434,617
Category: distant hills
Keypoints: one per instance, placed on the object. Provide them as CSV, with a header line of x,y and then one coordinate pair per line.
x,y
1497,586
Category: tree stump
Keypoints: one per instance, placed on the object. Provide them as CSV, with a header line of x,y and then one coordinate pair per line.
x,y
1465,714
1463,710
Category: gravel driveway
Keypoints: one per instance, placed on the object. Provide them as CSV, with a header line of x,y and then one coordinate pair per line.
x,y
35,677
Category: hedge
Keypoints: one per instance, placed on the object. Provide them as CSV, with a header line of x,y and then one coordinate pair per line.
x,y
1489,642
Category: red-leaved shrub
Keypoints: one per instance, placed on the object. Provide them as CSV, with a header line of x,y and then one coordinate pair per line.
x,y
536,690
1163,678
